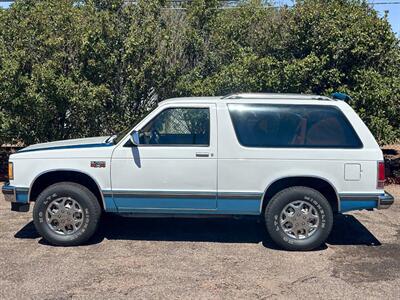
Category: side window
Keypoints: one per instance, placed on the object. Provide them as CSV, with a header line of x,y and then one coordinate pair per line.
x,y
178,126
307,126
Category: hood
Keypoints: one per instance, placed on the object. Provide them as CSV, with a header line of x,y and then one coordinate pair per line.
x,y
70,144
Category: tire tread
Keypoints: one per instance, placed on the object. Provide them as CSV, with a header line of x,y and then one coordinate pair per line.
x,y
95,212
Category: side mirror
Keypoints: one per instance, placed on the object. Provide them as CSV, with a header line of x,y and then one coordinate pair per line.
x,y
135,138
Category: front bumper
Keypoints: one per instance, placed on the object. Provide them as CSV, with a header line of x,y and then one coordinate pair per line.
x,y
17,197
9,193
385,201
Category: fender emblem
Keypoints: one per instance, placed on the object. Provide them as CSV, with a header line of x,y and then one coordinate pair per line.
x,y
97,164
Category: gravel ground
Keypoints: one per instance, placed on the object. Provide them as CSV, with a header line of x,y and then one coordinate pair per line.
x,y
202,259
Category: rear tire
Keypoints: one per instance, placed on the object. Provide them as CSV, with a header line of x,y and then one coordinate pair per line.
x,y
66,214
299,218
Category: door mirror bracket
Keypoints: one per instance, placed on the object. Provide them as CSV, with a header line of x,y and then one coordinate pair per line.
x,y
134,139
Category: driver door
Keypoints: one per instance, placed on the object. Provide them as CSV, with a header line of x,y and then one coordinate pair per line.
x,y
174,167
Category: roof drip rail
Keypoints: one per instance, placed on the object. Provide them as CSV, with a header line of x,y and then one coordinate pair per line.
x,y
275,96
230,96
247,95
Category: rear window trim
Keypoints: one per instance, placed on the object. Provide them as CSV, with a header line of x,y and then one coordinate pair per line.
x,y
296,146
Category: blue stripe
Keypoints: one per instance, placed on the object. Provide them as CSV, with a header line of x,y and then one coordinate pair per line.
x,y
22,196
358,201
137,203
68,147
185,203
348,205
110,204
239,206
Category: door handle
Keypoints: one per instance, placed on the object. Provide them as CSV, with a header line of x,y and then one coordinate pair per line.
x,y
202,154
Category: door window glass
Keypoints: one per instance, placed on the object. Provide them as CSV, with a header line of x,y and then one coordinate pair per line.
x,y
178,126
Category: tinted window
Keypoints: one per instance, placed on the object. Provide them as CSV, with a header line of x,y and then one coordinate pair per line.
x,y
292,126
178,126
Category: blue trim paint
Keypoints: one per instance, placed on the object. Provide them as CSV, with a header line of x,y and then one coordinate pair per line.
x,y
239,206
98,145
110,204
22,196
185,203
348,205
359,201
126,204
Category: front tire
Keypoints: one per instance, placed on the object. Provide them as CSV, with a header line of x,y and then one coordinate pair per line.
x,y
299,218
66,214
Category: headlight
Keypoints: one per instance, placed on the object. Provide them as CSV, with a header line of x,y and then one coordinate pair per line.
x,y
10,171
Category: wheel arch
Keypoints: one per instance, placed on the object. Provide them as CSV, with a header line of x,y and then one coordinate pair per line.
x,y
324,186
49,177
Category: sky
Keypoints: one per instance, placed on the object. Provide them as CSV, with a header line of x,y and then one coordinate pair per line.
x,y
393,9
394,14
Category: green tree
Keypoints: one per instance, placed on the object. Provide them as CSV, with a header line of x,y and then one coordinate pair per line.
x,y
316,47
81,68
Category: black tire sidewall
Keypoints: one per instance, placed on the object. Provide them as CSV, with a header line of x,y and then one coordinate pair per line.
x,y
86,200
280,200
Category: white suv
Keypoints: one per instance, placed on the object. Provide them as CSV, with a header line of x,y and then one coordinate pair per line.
x,y
295,160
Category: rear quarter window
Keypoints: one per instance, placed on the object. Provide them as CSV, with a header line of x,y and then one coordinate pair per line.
x,y
304,126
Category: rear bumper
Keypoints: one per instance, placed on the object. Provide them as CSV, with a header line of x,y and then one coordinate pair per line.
x,y
385,201
358,201
9,193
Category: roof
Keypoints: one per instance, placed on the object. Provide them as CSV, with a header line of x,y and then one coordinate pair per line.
x,y
246,96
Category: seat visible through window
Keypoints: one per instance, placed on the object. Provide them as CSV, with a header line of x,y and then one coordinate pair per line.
x,y
274,125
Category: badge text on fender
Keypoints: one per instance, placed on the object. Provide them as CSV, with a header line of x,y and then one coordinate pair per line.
x,y
97,164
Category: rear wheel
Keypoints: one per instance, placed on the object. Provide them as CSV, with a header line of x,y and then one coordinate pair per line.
x,y
66,214
299,218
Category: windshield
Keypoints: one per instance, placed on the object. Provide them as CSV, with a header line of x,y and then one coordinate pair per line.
x,y
123,133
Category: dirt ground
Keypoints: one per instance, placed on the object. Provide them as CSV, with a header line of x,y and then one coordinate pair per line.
x,y
202,259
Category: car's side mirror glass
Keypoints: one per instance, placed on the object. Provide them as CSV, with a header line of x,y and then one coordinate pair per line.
x,y
135,138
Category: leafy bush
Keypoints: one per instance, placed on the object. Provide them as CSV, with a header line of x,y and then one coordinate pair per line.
x,y
81,68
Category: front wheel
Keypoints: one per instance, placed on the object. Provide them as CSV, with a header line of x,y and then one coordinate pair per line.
x,y
66,214
299,218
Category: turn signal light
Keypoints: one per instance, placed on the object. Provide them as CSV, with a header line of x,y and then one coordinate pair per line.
x,y
10,171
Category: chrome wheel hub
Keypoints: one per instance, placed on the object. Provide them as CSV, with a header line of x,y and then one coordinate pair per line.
x,y
299,219
64,216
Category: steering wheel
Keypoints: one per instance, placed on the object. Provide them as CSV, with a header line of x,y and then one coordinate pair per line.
x,y
155,137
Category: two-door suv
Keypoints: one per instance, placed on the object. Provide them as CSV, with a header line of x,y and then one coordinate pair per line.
x,y
295,160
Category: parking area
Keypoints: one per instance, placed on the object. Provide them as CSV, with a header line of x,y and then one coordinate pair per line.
x,y
201,258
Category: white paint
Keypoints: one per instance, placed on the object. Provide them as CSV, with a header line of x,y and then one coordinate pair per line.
x,y
231,168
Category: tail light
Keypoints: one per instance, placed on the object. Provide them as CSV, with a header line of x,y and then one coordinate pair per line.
x,y
381,175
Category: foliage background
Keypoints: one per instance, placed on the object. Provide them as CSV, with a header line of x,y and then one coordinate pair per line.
x,y
83,68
